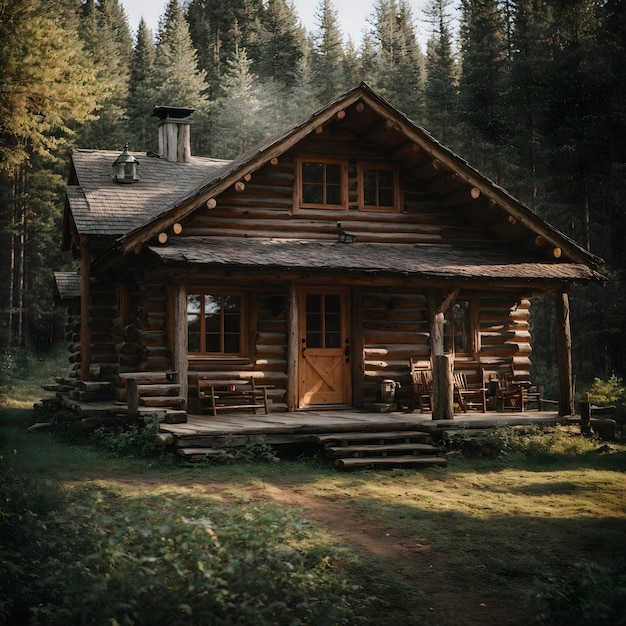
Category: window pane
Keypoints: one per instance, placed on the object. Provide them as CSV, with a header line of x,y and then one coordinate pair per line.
x,y
385,178
213,342
333,304
231,344
231,323
193,303
333,174
314,340
333,195
313,303
385,197
212,304
369,196
369,178
193,344
232,304
312,194
313,173
212,323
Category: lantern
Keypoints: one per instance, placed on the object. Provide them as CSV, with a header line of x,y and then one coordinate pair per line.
x,y
125,168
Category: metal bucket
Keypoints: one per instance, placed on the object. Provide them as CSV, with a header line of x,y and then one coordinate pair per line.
x,y
388,389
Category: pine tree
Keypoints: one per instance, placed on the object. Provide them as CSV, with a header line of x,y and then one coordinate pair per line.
x,y
327,60
218,28
279,46
398,58
107,38
141,135
46,86
238,113
484,51
441,92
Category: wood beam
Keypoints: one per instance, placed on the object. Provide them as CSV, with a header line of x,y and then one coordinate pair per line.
x,y
564,354
178,336
85,301
293,346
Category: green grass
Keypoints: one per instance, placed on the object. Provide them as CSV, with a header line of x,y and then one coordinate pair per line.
x,y
483,541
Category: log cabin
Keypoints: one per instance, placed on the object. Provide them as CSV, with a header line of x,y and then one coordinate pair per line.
x,y
318,264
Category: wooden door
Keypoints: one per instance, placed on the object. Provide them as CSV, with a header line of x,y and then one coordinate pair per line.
x,y
324,343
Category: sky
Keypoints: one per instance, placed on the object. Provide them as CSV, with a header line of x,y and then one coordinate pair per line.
x,y
352,15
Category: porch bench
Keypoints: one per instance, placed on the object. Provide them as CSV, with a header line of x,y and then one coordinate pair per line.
x,y
230,395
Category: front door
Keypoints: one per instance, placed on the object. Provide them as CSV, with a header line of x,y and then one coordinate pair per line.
x,y
324,357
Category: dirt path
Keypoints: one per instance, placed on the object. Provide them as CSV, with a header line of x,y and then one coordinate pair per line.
x,y
416,564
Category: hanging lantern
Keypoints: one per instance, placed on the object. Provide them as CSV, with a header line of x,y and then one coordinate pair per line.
x,y
125,168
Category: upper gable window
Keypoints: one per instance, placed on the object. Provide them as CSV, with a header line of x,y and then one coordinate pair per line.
x,y
323,184
378,188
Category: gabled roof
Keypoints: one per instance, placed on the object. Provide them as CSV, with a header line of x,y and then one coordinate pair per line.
x,y
100,206
178,193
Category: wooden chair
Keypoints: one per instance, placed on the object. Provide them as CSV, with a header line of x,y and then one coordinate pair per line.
x,y
510,393
468,395
422,383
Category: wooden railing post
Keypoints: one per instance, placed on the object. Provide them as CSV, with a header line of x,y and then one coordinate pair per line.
x,y
585,416
443,402
132,398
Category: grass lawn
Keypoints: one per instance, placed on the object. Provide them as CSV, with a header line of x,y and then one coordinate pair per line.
x,y
460,545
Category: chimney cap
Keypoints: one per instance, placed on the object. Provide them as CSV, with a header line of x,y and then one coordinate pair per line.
x,y
178,113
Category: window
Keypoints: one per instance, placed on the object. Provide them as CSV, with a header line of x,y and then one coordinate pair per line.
x,y
323,320
378,188
214,323
323,184
460,331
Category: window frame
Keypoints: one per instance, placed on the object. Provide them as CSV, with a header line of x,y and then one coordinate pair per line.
x,y
473,332
222,293
299,187
378,167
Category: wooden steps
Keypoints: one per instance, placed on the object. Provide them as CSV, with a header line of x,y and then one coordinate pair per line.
x,y
398,448
154,391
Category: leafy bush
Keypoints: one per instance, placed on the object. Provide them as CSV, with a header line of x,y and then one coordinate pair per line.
x,y
593,594
138,441
531,441
609,392
154,561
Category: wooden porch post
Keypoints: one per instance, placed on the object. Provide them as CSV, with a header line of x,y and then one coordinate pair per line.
x,y
356,342
564,354
443,401
85,300
178,337
293,345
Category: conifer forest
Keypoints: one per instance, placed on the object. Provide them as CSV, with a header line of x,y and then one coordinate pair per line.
x,y
532,93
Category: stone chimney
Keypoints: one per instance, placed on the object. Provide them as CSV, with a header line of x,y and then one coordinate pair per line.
x,y
174,135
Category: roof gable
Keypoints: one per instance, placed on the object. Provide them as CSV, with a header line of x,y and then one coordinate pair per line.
x,y
360,111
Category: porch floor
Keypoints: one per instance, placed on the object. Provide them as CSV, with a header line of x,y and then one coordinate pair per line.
x,y
298,426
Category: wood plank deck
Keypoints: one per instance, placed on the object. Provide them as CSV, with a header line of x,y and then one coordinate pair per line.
x,y
296,427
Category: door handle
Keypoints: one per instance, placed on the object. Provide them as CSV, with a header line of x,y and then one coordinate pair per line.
x,y
303,351
347,351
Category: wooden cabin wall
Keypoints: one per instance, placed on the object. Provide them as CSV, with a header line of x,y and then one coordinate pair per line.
x,y
104,327
265,206
395,329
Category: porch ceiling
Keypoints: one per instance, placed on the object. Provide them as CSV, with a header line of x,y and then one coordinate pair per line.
x,y
437,262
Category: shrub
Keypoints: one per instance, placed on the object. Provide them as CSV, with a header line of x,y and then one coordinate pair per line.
x,y
610,392
138,441
178,562
593,594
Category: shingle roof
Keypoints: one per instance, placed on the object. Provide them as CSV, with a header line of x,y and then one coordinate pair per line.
x,y
67,285
367,258
101,206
